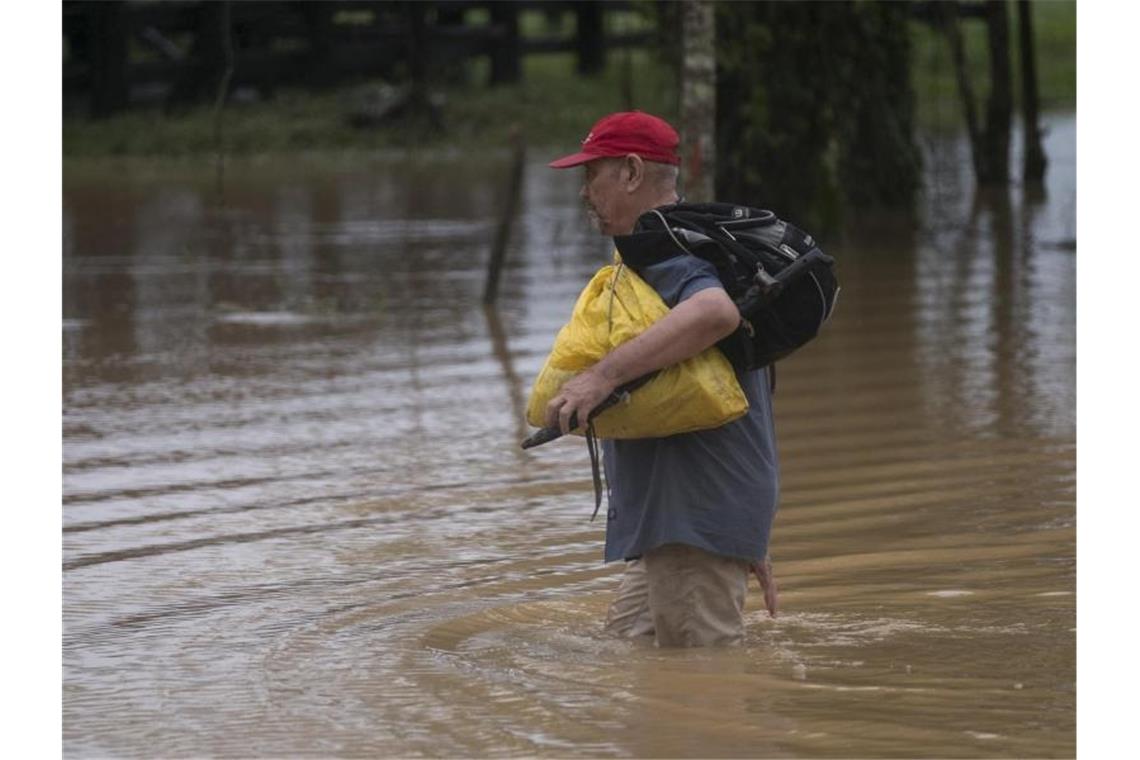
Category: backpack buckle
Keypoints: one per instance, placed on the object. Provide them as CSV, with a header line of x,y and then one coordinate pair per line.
x,y
769,287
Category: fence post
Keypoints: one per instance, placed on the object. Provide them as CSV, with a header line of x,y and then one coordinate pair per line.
x,y
108,50
505,55
1033,156
590,42
503,231
416,15
318,28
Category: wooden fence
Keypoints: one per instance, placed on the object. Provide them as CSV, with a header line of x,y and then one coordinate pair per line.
x,y
116,53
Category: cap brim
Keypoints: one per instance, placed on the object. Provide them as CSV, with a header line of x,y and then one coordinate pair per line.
x,y
576,159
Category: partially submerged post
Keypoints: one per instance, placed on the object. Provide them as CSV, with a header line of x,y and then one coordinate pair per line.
x,y
999,105
989,144
1034,161
503,231
698,99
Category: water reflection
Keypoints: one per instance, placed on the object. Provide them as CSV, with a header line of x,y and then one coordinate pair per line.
x,y
995,314
297,520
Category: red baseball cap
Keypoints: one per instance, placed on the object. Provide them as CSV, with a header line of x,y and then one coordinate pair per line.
x,y
626,132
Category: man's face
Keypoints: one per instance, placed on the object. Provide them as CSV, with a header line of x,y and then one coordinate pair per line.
x,y
605,196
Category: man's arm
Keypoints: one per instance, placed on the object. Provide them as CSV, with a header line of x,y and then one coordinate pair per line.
x,y
689,328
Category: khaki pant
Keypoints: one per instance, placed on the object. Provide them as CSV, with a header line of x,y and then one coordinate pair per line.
x,y
685,596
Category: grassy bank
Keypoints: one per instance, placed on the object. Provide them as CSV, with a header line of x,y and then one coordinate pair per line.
x,y
552,106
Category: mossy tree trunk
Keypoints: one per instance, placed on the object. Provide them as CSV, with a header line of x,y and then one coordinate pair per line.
x,y
772,127
815,113
873,107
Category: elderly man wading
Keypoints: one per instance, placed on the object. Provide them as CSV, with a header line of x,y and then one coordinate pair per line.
x,y
690,513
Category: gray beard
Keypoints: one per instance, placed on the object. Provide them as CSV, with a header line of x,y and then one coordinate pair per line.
x,y
595,220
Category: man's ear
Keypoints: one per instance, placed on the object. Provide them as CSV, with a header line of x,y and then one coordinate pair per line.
x,y
634,169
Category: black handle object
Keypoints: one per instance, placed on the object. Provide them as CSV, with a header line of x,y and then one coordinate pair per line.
x,y
548,434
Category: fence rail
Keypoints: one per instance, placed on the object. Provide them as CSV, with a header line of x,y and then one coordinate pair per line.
x,y
116,53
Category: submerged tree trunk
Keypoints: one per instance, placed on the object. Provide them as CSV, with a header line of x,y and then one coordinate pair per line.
x,y
999,107
989,144
698,100
773,122
949,20
878,163
1033,157
815,110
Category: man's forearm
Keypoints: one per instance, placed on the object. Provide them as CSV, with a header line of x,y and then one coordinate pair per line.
x,y
688,329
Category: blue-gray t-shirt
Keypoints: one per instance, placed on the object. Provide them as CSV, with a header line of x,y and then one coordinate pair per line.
x,y
714,489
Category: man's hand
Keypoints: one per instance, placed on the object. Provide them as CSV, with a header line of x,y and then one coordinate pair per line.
x,y
578,395
763,571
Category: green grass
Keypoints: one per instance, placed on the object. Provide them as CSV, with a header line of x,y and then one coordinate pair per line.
x,y
1055,37
552,106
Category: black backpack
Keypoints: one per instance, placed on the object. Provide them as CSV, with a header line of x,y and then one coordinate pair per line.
x,y
782,283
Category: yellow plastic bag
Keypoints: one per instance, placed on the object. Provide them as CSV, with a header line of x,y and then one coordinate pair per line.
x,y
617,305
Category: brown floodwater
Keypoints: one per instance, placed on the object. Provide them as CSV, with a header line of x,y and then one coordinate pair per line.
x,y
297,521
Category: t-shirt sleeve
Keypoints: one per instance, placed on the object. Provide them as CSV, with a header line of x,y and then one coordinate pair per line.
x,y
680,277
